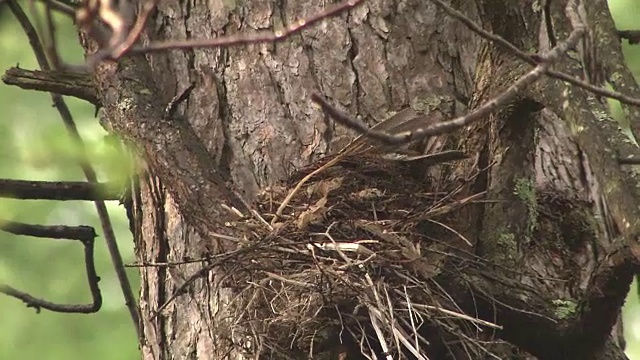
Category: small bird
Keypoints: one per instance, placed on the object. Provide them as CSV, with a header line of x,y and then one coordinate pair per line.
x,y
405,120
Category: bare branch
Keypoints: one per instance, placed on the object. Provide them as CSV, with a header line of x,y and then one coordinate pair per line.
x,y
31,33
81,233
122,40
57,190
84,234
633,36
74,84
544,62
530,58
262,37
135,32
50,46
61,7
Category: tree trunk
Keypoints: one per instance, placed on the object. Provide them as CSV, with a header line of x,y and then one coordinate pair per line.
x,y
544,259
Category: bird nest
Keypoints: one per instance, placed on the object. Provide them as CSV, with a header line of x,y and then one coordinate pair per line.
x,y
348,265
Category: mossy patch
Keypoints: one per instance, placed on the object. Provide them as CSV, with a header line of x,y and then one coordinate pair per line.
x,y
564,308
525,191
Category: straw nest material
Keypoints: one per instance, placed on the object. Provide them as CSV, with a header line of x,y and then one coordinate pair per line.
x,y
348,267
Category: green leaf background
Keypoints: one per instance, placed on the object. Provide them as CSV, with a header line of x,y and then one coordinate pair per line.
x,y
34,146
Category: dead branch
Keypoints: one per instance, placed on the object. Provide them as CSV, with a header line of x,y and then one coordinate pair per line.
x,y
450,125
78,85
121,41
81,233
61,7
544,61
86,236
633,36
58,190
531,59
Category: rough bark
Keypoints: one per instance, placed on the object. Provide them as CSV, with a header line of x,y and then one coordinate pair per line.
x,y
559,264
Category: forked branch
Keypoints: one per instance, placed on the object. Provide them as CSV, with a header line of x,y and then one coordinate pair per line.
x,y
86,236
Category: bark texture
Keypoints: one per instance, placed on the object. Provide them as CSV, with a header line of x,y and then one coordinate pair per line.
x,y
248,123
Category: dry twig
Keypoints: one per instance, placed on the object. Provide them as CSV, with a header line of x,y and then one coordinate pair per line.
x,y
86,236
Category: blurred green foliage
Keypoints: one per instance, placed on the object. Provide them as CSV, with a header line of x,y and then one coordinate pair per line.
x,y
35,146
626,14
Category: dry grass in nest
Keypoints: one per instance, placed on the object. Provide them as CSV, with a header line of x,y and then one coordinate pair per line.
x,y
350,256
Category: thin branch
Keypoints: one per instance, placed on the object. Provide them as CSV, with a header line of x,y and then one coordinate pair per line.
x,y
628,161
531,58
39,304
67,83
261,37
135,32
633,36
30,31
545,61
81,233
116,15
202,272
84,234
61,7
121,41
70,3
90,174
166,264
50,45
58,190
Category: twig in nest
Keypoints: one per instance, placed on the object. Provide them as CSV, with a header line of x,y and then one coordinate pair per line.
x,y
200,273
401,121
295,190
456,314
460,236
445,209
